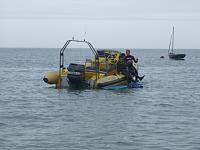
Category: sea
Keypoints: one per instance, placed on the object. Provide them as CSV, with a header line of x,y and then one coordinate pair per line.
x,y
163,115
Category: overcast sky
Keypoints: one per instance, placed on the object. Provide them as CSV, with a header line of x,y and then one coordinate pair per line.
x,y
107,23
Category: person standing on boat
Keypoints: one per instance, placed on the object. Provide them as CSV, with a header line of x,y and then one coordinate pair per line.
x,y
123,68
130,59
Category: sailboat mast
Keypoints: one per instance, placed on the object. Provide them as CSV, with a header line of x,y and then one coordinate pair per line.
x,y
173,40
170,43
170,50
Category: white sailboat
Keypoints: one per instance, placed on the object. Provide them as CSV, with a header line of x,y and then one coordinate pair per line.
x,y
171,53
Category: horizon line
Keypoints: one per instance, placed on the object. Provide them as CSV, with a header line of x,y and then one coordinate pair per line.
x,y
97,48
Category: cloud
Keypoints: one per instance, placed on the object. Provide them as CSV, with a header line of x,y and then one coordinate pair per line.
x,y
144,23
100,9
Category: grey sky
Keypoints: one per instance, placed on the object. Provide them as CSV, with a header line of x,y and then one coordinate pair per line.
x,y
108,23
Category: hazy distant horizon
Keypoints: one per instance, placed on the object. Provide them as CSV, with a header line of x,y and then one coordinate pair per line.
x,y
97,48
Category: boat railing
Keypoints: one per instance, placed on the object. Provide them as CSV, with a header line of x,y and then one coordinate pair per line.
x,y
61,66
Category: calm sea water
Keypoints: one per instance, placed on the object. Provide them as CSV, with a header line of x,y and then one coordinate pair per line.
x,y
164,115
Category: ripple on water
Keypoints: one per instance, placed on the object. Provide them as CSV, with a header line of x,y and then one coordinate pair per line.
x,y
162,115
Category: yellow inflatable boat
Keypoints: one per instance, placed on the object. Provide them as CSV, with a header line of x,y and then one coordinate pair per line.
x,y
97,72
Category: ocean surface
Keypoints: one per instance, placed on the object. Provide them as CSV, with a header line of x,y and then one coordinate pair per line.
x,y
164,115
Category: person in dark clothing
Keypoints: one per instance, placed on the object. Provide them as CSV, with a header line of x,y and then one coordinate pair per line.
x,y
131,68
123,68
129,57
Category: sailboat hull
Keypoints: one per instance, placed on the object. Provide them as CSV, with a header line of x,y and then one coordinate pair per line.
x,y
176,56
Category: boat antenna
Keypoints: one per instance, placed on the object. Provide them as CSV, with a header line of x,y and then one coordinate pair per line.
x,y
73,37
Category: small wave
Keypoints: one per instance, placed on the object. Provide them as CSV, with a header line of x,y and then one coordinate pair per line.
x,y
164,105
2,124
125,143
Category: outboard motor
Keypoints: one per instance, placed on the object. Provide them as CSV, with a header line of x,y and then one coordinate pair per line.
x,y
76,74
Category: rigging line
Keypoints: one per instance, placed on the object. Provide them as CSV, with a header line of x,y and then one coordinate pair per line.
x,y
173,40
170,43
